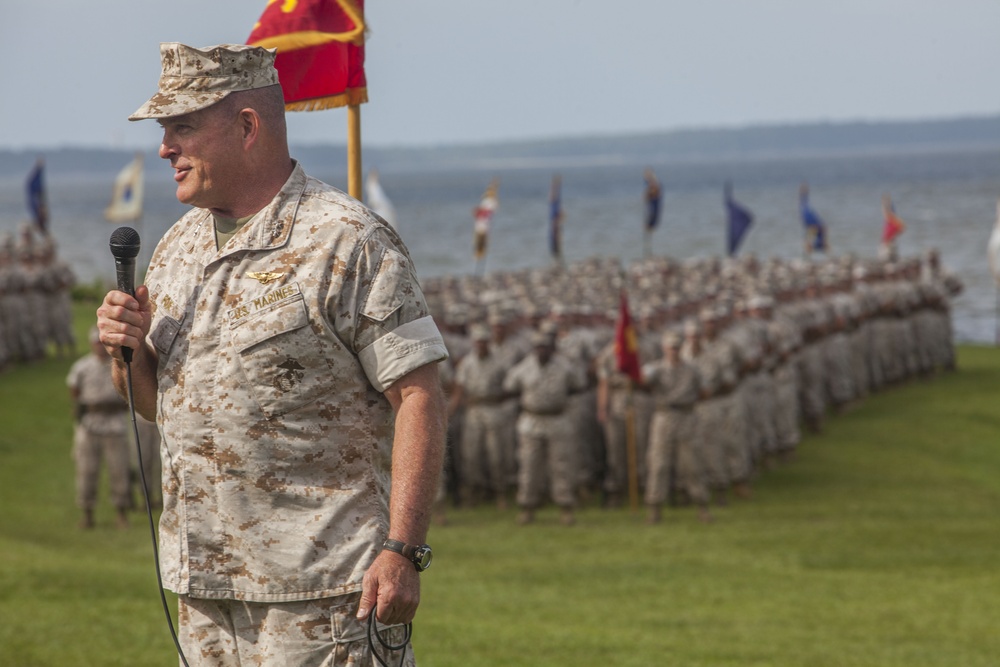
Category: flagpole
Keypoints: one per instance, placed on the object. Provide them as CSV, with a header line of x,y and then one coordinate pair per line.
x,y
354,151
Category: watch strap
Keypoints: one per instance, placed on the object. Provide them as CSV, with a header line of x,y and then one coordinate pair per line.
x,y
402,548
418,555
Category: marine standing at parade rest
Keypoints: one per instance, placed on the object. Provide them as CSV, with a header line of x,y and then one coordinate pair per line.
x,y
545,432
479,386
99,433
284,347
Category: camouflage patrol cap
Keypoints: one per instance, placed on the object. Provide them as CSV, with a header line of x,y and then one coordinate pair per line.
x,y
543,338
193,79
479,332
672,339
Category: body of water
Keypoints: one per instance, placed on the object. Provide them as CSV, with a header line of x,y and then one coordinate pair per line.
x,y
948,200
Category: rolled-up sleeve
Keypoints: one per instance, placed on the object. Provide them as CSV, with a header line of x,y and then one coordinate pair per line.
x,y
395,333
404,349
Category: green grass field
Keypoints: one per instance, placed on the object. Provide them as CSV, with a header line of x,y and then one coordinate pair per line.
x,y
879,546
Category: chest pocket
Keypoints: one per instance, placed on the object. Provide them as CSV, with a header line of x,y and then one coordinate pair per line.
x,y
282,358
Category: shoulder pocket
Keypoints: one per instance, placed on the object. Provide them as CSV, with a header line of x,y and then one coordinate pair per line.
x,y
389,288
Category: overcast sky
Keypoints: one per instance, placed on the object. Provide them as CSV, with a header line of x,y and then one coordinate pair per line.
x,y
459,71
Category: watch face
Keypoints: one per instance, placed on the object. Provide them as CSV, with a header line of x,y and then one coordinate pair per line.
x,y
422,557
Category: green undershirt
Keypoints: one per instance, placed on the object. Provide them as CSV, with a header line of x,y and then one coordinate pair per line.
x,y
226,228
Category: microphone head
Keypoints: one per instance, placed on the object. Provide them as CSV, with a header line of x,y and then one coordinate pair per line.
x,y
125,243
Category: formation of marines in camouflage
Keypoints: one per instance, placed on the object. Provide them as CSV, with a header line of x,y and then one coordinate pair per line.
x,y
35,305
738,355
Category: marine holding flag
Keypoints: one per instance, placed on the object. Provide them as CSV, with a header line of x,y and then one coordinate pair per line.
x,y
307,316
617,373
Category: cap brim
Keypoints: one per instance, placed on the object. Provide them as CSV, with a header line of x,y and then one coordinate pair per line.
x,y
167,105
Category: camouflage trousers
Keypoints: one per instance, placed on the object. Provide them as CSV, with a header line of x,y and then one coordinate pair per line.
x,y
88,450
758,396
310,633
674,453
812,388
486,451
734,427
616,448
547,458
786,402
708,416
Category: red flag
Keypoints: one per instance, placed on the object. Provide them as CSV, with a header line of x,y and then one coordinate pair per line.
x,y
321,51
893,226
483,215
626,343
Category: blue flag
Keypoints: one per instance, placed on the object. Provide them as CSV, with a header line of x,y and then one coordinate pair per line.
x,y
37,204
740,219
555,218
815,228
654,194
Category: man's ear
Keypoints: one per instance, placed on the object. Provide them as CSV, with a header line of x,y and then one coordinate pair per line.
x,y
250,126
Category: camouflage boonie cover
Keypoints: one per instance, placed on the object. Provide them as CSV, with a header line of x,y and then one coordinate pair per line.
x,y
273,355
193,79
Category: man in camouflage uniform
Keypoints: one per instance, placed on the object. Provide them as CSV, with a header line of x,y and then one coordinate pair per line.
x,y
57,282
285,350
484,454
615,402
673,456
7,352
545,431
11,306
100,433
34,329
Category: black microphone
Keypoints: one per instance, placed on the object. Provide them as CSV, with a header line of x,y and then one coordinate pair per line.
x,y
125,248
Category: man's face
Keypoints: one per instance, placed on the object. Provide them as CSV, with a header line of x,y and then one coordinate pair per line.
x,y
543,353
203,148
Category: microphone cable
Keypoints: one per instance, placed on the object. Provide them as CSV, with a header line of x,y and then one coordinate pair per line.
x,y
149,512
373,630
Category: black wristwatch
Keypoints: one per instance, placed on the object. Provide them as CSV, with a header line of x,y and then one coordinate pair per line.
x,y
420,556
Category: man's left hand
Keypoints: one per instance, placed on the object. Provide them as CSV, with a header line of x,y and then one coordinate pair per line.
x,y
393,584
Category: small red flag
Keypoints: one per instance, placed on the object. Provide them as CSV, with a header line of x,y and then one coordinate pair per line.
x,y
321,51
627,343
893,227
483,216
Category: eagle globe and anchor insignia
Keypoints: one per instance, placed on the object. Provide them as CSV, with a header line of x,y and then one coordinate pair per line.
x,y
290,376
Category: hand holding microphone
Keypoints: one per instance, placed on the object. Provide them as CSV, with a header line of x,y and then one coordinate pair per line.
x,y
125,248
